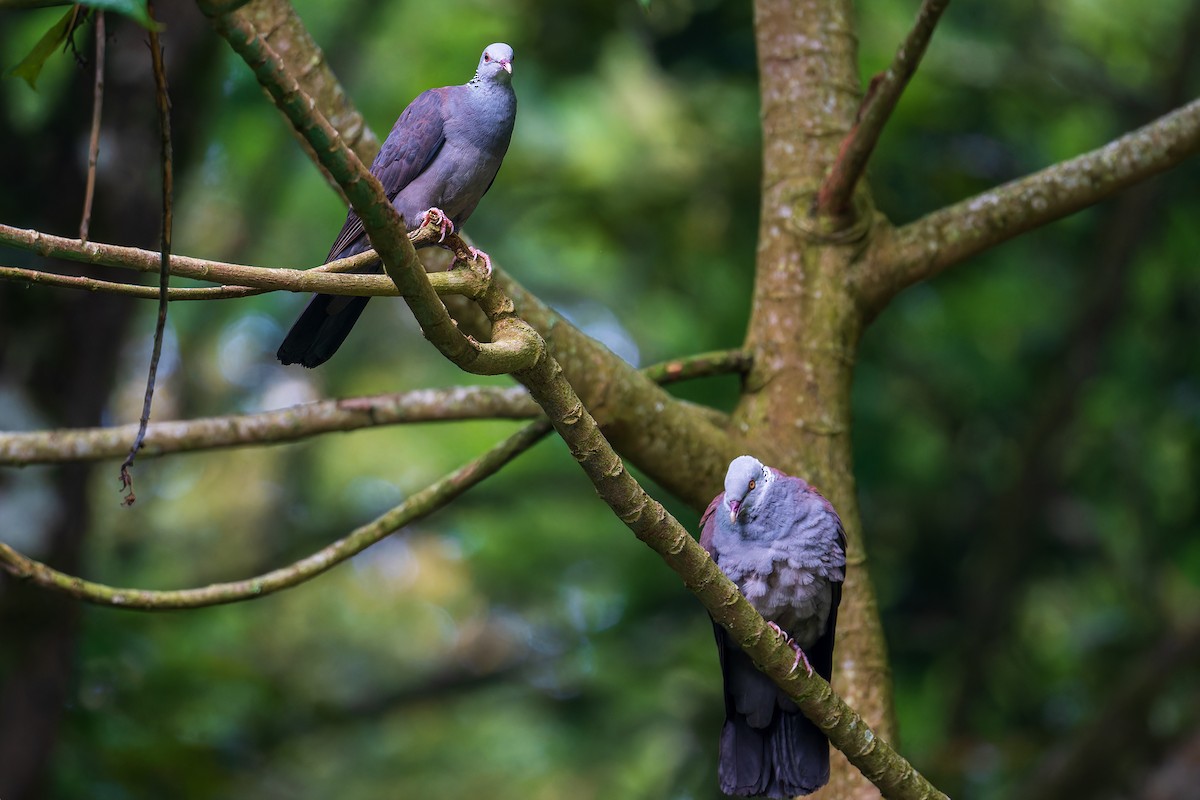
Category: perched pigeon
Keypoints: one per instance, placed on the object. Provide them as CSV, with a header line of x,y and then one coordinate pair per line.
x,y
783,545
443,153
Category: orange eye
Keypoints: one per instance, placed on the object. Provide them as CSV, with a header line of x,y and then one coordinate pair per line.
x,y
487,56
751,484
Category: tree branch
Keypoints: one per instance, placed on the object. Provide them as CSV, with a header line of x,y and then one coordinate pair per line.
x,y
833,198
324,416
326,278
269,427
97,286
922,249
415,507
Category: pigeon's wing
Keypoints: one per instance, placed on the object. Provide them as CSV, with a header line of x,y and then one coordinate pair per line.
x,y
708,525
820,654
415,140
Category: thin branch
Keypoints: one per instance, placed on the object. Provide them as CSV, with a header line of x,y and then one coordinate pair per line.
x,y
415,507
324,416
944,238
269,427
163,103
97,286
94,143
833,198
325,279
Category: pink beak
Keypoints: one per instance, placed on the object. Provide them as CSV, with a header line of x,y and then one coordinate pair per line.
x,y
507,66
734,507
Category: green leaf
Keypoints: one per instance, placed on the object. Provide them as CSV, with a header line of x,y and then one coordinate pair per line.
x,y
31,66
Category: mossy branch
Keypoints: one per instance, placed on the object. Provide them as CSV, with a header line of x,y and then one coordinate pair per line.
x,y
901,257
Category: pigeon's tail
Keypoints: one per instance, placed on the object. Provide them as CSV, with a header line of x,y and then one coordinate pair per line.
x,y
321,329
787,758
768,747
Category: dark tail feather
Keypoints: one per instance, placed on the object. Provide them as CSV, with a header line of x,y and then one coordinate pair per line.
x,y
800,753
787,758
321,329
768,747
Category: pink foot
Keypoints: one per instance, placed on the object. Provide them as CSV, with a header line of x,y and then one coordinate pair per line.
x,y
792,644
487,260
435,216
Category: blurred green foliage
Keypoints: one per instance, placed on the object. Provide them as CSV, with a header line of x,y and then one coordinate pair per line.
x,y
1027,426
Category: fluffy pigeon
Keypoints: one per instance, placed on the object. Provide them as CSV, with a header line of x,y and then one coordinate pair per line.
x,y
443,153
782,543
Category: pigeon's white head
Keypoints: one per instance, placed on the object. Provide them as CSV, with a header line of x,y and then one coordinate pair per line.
x,y
746,484
495,64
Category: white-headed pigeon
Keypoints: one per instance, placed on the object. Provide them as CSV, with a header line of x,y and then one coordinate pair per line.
x,y
782,543
443,153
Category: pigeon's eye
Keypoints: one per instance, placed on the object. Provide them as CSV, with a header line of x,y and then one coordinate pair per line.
x,y
487,56
751,484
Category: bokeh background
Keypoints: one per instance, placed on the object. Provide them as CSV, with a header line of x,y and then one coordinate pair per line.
x,y
1027,426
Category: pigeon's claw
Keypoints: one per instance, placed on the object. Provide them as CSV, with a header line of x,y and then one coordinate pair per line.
x,y
792,644
435,216
485,258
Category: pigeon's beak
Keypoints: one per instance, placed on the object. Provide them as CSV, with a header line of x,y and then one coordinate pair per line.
x,y
734,507
507,66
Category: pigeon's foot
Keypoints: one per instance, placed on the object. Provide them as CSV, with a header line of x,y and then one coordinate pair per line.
x,y
435,216
792,644
485,258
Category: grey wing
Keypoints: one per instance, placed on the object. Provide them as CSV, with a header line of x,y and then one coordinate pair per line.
x,y
415,140
820,653
708,525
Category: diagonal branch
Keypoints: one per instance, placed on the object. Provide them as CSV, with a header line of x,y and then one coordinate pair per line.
x,y
710,446
415,507
833,198
922,249
652,524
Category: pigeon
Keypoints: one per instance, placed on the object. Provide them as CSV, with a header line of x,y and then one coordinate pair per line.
x,y
783,545
442,156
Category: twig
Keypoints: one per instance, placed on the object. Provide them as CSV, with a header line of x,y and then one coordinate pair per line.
x,y
163,102
924,248
94,143
833,198
415,507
